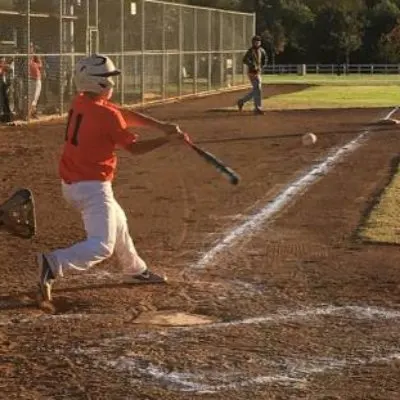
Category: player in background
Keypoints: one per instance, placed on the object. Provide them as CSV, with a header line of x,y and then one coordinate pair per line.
x,y
35,82
5,83
95,128
255,59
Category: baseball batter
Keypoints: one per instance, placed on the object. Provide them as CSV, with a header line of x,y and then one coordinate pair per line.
x,y
96,127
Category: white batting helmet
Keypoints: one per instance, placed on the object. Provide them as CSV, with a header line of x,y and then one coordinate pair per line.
x,y
94,74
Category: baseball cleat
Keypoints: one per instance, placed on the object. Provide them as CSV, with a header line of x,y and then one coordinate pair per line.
x,y
146,277
46,277
240,105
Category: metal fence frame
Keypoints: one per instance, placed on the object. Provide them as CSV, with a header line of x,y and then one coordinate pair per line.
x,y
208,42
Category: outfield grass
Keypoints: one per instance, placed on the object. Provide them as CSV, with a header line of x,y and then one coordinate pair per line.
x,y
331,79
328,96
383,223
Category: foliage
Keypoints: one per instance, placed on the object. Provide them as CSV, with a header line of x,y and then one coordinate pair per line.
x,y
339,31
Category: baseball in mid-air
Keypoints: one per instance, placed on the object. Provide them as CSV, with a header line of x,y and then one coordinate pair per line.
x,y
309,139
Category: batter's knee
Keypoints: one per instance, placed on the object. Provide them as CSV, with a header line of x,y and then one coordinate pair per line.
x,y
102,250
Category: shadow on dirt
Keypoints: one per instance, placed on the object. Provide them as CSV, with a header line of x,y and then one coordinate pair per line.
x,y
27,301
62,304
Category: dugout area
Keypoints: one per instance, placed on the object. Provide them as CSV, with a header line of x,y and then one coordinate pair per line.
x,y
165,50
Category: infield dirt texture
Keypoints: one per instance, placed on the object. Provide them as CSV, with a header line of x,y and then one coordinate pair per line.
x,y
300,308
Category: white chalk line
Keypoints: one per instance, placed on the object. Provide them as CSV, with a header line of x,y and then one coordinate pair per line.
x,y
296,372
391,113
290,371
253,222
355,312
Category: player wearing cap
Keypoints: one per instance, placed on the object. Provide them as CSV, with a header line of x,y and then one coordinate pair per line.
x,y
95,128
255,59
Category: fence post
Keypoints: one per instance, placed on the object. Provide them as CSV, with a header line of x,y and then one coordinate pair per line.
x,y
87,15
221,51
180,57
122,76
245,41
196,56
233,54
163,56
142,45
209,72
26,64
61,78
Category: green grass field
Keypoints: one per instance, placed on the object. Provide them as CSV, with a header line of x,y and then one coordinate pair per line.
x,y
383,223
334,96
332,91
332,79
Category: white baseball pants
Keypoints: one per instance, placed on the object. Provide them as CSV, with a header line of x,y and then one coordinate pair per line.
x,y
106,228
35,88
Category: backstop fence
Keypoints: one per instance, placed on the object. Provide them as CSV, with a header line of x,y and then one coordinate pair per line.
x,y
164,49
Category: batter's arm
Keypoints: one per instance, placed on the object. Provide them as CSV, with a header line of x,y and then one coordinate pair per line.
x,y
145,146
135,119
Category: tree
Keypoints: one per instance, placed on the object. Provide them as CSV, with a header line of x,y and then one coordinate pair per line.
x,y
297,19
382,17
276,39
339,29
389,48
322,31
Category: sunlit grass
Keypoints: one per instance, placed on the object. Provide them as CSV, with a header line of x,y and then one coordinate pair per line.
x,y
337,97
332,79
383,223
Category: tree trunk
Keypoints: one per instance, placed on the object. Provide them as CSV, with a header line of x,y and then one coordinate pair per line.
x,y
347,57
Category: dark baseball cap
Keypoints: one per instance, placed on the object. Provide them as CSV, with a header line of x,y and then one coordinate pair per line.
x,y
256,38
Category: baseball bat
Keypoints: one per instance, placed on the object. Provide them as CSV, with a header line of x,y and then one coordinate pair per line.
x,y
226,171
134,119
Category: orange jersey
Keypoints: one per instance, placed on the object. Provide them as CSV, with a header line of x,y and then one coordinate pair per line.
x,y
35,66
95,128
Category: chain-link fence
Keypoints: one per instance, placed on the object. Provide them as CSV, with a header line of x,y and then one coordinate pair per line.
x,y
164,49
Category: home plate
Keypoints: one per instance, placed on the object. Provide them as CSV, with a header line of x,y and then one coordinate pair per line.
x,y
172,318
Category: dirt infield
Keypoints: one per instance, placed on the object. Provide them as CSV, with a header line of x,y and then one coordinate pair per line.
x,y
298,309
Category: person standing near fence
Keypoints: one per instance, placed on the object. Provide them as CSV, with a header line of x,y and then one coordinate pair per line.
x,y
255,59
19,87
35,83
5,81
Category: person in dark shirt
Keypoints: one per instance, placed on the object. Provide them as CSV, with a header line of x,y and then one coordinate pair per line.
x,y
5,79
255,59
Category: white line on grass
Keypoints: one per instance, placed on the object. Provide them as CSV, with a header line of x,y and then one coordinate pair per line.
x,y
254,222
